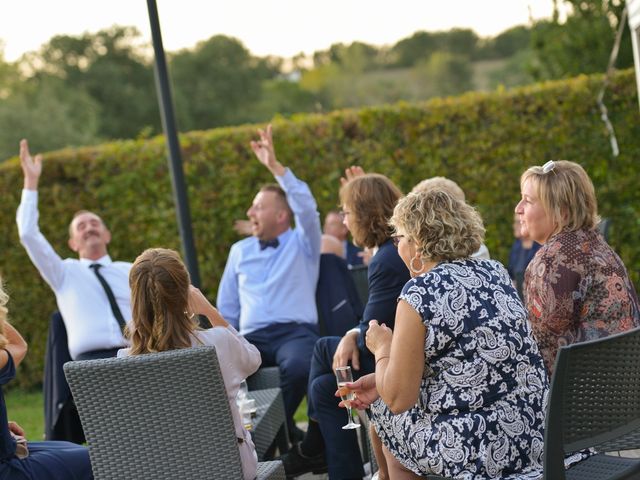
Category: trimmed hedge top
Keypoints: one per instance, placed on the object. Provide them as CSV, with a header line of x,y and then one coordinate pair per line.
x,y
482,141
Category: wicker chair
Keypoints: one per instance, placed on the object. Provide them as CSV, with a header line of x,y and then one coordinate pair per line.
x,y
594,402
159,416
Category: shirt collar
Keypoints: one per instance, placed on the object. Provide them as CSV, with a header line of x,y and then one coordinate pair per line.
x,y
106,260
282,238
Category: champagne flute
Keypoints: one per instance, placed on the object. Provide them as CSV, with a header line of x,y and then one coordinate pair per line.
x,y
344,376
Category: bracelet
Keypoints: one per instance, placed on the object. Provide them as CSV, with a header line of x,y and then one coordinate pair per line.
x,y
381,358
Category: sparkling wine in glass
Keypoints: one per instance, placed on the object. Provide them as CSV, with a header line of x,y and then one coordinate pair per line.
x,y
344,376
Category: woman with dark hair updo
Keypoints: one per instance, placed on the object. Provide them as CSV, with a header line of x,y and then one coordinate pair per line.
x,y
165,307
459,385
367,203
576,288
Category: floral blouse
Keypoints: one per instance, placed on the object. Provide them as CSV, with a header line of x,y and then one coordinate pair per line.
x,y
576,288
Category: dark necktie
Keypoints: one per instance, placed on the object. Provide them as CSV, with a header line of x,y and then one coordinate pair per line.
x,y
112,299
269,243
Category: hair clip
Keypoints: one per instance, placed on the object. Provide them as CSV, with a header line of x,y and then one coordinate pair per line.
x,y
549,166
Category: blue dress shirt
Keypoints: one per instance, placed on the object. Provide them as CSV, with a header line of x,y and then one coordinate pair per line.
x,y
275,285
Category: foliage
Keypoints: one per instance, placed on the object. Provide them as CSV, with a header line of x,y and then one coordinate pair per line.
x,y
50,114
448,73
582,43
506,44
26,408
109,68
217,82
482,141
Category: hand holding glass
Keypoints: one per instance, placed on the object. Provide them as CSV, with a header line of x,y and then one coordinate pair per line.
x,y
344,376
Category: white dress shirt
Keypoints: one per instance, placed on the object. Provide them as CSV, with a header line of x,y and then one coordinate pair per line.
x,y
81,299
237,359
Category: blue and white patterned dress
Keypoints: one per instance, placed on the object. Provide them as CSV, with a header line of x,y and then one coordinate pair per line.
x,y
480,411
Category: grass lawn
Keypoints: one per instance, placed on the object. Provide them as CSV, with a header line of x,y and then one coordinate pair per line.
x,y
26,408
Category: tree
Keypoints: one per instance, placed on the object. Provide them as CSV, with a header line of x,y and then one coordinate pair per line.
x,y
583,43
447,73
50,115
409,51
111,69
218,82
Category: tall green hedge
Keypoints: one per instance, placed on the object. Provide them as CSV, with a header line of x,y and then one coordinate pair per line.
x,y
482,141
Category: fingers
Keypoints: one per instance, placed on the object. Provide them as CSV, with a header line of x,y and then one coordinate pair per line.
x,y
338,361
24,150
355,359
16,429
255,146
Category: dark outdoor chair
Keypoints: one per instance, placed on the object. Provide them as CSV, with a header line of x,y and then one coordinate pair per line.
x,y
594,402
604,226
61,421
360,273
160,415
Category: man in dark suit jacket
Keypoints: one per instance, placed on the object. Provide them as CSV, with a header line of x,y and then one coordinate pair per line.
x,y
333,225
325,441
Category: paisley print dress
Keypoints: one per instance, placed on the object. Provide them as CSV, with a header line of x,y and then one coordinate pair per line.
x,y
576,288
480,411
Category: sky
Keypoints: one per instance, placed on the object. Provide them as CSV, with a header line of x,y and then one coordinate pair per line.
x,y
278,27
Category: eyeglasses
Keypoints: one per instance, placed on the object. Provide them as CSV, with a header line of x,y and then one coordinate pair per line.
x,y
396,239
549,166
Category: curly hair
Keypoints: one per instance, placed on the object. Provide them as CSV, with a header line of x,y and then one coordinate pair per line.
x,y
566,194
4,299
371,199
159,285
440,183
440,225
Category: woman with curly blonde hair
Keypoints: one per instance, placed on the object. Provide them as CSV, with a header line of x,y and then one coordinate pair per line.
x,y
19,459
459,384
165,307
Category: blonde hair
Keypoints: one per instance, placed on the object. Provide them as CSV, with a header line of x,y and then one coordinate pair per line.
x,y
371,197
4,299
159,285
440,183
566,194
440,225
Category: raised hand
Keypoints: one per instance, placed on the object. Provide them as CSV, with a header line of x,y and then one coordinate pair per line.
x,y
31,167
242,227
199,305
350,173
265,151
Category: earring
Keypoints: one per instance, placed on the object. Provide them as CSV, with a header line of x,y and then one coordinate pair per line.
x,y
412,268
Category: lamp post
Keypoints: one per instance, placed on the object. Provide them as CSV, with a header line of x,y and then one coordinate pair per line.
x,y
175,160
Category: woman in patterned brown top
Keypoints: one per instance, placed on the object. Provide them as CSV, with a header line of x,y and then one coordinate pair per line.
x,y
576,288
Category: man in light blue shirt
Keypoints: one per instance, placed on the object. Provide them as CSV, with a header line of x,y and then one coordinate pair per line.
x,y
267,290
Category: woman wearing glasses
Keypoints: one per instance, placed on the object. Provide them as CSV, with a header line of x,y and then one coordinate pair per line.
x,y
576,288
367,202
459,385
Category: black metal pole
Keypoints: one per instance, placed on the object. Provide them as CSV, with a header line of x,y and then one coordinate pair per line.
x,y
175,160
